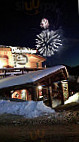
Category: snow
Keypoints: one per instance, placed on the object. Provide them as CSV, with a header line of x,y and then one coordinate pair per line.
x,y
28,109
29,77
74,98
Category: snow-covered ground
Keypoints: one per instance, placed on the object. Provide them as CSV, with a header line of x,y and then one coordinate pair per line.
x,y
29,109
74,98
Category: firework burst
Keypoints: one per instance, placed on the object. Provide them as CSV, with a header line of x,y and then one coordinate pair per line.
x,y
48,42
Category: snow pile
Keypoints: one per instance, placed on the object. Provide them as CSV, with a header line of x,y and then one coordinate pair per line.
x,y
74,98
29,109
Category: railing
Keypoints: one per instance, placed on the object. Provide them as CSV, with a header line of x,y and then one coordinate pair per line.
x,y
4,72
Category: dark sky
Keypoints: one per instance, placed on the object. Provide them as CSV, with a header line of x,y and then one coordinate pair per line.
x,y
20,23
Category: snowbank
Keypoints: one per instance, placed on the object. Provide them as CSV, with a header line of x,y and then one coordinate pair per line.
x,y
74,98
29,109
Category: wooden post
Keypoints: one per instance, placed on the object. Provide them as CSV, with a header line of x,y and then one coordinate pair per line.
x,y
61,91
4,73
50,92
22,71
34,93
50,95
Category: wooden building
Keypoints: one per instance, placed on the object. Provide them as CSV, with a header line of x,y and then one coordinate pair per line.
x,y
49,85
18,60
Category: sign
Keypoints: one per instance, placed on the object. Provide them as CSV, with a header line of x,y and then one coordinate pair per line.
x,y
19,55
22,50
20,59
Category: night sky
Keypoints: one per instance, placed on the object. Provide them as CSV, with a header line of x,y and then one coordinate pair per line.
x,y
20,23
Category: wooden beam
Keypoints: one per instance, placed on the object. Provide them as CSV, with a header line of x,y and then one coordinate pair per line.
x,y
62,97
50,95
50,92
34,93
57,76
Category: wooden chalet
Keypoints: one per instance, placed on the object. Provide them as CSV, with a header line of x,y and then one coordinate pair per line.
x,y
18,60
49,85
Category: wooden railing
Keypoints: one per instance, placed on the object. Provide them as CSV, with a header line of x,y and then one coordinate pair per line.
x,y
4,72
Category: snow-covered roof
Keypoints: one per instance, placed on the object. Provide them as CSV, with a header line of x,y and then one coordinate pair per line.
x,y
29,77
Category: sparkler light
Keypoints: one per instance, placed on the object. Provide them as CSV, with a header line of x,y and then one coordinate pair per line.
x,y
48,42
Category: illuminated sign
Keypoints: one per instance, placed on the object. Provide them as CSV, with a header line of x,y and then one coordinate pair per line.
x,y
22,50
19,55
20,59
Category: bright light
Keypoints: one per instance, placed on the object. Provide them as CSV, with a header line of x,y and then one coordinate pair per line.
x,y
12,91
39,87
40,97
1,64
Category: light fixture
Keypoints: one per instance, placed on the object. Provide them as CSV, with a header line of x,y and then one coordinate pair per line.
x,y
39,87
